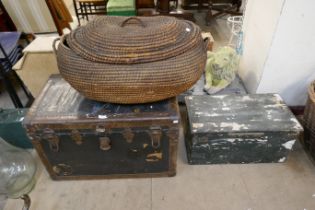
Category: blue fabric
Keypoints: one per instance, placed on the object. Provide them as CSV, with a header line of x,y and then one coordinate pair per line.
x,y
9,42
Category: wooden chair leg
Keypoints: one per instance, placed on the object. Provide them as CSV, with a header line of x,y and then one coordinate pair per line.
x,y
24,88
76,11
209,14
85,11
12,92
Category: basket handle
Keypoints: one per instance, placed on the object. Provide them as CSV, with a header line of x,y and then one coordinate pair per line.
x,y
54,45
132,18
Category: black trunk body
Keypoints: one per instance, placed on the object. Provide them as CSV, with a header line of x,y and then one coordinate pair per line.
x,y
78,138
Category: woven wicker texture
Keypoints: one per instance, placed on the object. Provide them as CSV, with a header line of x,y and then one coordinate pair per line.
x,y
132,60
309,118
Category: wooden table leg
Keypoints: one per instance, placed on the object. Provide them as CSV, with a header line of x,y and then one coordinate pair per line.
x,y
164,7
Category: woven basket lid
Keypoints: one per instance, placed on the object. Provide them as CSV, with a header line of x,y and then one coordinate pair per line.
x,y
128,40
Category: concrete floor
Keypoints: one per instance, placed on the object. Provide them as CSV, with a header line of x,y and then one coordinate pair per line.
x,y
279,186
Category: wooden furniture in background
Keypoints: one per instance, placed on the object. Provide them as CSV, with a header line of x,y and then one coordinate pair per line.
x,y
173,4
145,4
194,4
223,7
163,8
84,8
60,14
10,52
6,24
206,4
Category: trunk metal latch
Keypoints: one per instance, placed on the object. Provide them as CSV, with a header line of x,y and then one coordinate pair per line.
x,y
76,137
128,135
155,134
53,140
105,143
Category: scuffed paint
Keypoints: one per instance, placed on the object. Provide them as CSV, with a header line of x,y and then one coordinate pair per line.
x,y
281,160
102,116
206,114
219,96
247,98
154,157
211,115
294,120
297,123
175,121
226,108
289,144
275,105
261,140
231,140
235,126
207,146
278,97
197,125
215,125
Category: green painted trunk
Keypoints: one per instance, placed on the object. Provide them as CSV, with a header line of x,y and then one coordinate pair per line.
x,y
256,128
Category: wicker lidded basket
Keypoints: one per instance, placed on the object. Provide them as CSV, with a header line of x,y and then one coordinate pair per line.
x,y
309,119
132,59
